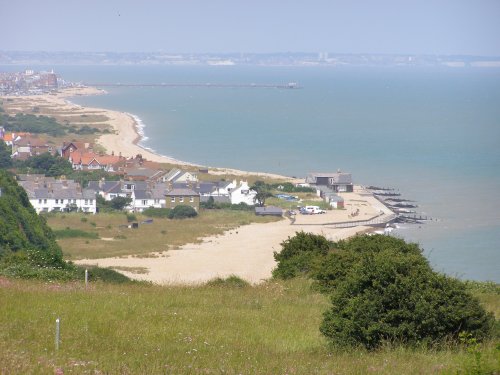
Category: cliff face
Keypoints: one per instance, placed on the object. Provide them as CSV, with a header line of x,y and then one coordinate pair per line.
x,y
21,229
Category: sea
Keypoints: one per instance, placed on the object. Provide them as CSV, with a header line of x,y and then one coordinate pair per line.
x,y
431,133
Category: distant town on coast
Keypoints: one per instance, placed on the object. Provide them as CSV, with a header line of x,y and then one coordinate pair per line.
x,y
257,59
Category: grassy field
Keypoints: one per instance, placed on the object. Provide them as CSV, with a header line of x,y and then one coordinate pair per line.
x,y
115,239
144,329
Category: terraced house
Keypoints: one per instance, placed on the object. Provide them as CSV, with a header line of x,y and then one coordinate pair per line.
x,y
47,194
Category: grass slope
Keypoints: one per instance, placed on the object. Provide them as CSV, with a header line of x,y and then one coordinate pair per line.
x,y
144,329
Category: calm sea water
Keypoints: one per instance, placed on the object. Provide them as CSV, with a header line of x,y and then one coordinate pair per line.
x,y
434,134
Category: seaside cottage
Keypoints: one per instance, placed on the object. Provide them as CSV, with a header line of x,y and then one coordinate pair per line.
x,y
143,199
338,182
70,147
91,161
25,147
243,194
179,176
188,197
48,195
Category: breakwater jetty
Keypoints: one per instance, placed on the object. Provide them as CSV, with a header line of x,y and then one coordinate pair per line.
x,y
404,209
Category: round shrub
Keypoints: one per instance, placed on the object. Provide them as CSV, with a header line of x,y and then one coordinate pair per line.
x,y
182,212
389,296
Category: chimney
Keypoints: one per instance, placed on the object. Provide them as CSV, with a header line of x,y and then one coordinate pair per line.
x,y
112,153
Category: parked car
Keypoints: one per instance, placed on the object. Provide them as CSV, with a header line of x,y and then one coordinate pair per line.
x,y
311,210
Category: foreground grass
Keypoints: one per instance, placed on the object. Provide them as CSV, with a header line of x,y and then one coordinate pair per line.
x,y
144,329
113,238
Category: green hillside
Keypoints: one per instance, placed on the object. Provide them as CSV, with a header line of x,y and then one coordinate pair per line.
x,y
22,230
28,248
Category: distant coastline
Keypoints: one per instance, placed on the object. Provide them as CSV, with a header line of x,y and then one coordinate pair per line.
x,y
128,129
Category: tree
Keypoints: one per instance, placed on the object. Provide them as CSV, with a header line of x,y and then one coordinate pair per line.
x,y
5,155
53,166
119,203
263,192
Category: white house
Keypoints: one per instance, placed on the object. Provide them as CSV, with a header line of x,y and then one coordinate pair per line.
x,y
243,194
143,194
59,195
143,199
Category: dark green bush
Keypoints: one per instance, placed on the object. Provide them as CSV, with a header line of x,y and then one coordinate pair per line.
x,y
131,217
300,255
396,298
115,204
182,212
383,290
346,253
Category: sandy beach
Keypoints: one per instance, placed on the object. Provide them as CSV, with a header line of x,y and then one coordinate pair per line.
x,y
247,251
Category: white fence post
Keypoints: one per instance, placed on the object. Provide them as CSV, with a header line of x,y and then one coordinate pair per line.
x,y
58,332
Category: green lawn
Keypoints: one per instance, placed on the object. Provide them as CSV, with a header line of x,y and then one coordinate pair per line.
x,y
145,329
115,239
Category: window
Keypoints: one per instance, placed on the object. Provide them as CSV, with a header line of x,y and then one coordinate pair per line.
x,y
181,199
91,201
57,201
86,201
144,202
45,201
157,201
172,199
191,199
40,201
62,200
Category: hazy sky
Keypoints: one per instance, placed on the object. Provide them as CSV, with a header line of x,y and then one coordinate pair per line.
x,y
350,26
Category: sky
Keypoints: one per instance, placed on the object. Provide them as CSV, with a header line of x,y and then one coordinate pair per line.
x,y
444,27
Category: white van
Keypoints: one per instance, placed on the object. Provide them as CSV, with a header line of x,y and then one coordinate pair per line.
x,y
315,210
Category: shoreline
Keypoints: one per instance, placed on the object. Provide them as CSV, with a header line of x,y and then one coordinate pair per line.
x,y
127,129
111,143
216,256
